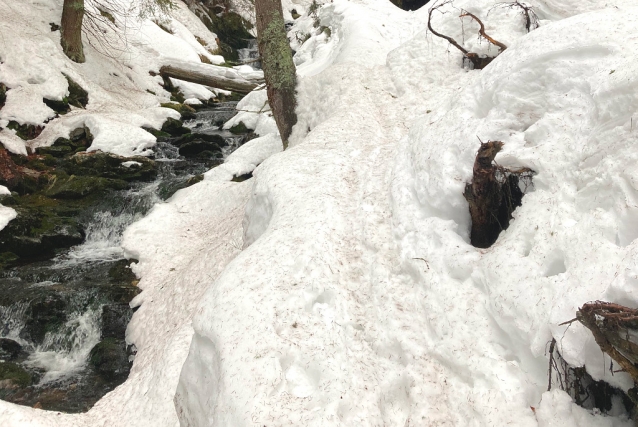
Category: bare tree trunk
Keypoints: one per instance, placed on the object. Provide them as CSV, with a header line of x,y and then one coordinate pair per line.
x,y
71,29
279,70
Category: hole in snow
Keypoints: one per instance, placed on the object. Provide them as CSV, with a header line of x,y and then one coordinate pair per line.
x,y
493,195
556,266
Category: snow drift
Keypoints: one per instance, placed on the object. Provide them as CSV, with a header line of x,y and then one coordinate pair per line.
x,y
338,287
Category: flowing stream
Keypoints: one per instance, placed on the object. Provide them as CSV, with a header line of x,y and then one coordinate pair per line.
x,y
59,310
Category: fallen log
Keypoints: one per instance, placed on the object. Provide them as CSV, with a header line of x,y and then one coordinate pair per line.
x,y
212,75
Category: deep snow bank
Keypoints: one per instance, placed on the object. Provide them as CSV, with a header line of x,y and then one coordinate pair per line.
x,y
326,317
352,306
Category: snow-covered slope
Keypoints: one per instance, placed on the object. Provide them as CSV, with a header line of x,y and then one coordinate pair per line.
x,y
350,295
123,97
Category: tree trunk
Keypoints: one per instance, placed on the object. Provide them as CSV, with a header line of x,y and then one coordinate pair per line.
x,y
71,29
279,70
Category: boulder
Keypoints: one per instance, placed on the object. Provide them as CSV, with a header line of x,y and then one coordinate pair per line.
x,y
110,359
9,349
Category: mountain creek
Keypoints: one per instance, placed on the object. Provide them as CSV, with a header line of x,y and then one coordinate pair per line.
x,y
65,284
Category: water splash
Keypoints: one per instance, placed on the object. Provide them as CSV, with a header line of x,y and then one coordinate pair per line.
x,y
65,352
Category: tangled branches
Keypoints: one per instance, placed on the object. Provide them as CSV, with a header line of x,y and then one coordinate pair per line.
x,y
475,60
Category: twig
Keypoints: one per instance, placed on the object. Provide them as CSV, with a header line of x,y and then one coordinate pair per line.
x,y
482,30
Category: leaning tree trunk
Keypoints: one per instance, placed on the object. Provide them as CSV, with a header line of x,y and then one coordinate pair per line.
x,y
276,61
71,29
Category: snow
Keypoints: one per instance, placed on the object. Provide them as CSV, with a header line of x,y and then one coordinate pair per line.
x,y
122,94
246,158
338,286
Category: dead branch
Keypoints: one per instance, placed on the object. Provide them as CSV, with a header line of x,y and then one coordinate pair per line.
x,y
433,31
482,30
530,17
609,324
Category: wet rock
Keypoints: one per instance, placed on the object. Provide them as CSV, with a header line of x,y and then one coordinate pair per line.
x,y
9,349
174,127
239,128
197,147
186,111
46,313
168,189
77,187
106,165
56,150
41,227
12,376
115,318
109,358
121,272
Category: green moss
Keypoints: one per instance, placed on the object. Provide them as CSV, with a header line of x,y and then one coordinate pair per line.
x,y
277,63
326,30
76,187
78,97
186,111
239,128
13,372
6,259
25,131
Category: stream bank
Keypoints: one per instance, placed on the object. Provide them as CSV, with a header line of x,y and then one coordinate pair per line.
x,y
65,285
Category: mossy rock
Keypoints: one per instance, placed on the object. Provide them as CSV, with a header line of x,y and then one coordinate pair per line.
x,y
59,106
13,374
106,165
168,189
7,259
25,131
160,135
216,139
174,127
77,187
187,112
43,225
234,96
78,97
56,150
109,358
239,128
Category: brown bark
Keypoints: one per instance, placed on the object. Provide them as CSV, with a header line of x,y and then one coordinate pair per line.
x,y
606,321
71,29
279,69
492,195
197,76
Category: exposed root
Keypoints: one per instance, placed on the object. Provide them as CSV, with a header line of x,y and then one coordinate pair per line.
x,y
493,195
